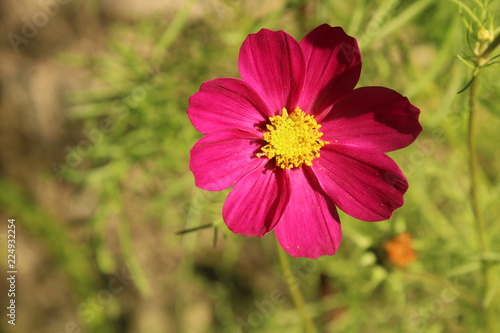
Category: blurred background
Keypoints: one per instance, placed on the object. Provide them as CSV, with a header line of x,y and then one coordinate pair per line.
x,y
94,151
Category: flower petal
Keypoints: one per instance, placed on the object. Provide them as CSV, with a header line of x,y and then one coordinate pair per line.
x,y
310,226
272,63
257,201
333,66
364,183
226,103
373,117
221,158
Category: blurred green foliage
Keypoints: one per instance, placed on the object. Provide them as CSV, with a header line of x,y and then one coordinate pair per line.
x,y
137,164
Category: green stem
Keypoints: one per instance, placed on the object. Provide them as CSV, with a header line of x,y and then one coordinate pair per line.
x,y
291,281
478,214
493,45
471,142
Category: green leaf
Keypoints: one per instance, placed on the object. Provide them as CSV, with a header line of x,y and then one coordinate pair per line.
x,y
467,85
185,231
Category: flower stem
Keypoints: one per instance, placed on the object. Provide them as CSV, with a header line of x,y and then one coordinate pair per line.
x,y
471,142
291,281
493,45
487,269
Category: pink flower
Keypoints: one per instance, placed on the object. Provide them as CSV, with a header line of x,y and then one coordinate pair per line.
x,y
296,140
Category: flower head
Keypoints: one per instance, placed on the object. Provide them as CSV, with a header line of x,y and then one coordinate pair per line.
x,y
399,250
296,140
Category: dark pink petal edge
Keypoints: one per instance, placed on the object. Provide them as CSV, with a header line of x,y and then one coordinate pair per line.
x,y
364,183
257,201
221,158
226,104
333,66
271,62
372,117
310,226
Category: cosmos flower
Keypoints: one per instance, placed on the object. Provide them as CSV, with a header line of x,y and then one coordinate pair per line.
x,y
296,140
399,250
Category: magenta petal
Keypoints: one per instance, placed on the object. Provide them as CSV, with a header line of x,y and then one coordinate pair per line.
x,y
272,63
257,202
333,66
310,226
221,158
364,183
372,117
224,104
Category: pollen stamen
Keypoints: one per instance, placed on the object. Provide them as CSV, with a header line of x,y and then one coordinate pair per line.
x,y
293,139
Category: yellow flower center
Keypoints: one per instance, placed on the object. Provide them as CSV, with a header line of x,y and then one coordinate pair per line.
x,y
293,139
